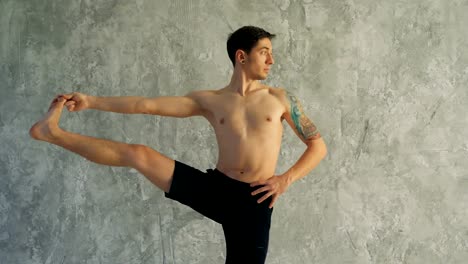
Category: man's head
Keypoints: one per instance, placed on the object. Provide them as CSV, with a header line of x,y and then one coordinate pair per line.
x,y
251,47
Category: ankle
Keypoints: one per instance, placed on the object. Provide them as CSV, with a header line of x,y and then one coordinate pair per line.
x,y
55,133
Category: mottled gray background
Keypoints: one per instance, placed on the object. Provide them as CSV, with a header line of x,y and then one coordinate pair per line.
x,y
385,82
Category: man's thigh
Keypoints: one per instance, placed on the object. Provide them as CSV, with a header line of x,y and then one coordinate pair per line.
x,y
247,233
155,166
198,190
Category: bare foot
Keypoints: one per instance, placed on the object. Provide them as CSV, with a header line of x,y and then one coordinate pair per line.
x,y
47,127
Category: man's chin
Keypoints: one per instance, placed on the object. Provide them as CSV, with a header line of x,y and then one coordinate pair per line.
x,y
262,77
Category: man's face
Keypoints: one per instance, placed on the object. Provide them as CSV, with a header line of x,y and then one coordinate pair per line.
x,y
260,59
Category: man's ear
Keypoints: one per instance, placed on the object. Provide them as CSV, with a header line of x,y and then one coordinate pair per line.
x,y
240,55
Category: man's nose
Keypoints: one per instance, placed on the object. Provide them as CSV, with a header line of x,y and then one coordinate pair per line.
x,y
271,60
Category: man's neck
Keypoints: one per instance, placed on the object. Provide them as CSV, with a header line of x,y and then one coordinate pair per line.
x,y
241,84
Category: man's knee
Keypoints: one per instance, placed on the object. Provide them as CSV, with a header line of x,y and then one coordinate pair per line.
x,y
138,155
152,164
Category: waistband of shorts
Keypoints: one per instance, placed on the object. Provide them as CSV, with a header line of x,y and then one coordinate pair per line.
x,y
228,179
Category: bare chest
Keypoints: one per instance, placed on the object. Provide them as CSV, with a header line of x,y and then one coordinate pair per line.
x,y
241,116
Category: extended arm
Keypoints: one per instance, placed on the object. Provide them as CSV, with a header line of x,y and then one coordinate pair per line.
x,y
175,106
117,104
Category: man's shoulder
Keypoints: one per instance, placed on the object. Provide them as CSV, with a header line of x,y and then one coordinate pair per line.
x,y
200,94
279,92
276,90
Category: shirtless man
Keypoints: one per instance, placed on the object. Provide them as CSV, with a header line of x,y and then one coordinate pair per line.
x,y
247,119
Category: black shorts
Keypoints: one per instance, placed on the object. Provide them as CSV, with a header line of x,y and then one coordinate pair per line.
x,y
245,222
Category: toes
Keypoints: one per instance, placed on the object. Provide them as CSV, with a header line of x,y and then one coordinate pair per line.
x,y
67,96
57,102
61,101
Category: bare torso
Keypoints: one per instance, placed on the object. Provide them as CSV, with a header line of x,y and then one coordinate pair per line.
x,y
248,131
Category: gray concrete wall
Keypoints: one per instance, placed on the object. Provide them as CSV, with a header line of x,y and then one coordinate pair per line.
x,y
385,82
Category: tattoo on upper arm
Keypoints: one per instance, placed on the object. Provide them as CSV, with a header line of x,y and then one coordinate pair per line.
x,y
303,124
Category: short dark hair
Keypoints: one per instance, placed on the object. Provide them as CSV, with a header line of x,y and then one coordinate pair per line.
x,y
245,39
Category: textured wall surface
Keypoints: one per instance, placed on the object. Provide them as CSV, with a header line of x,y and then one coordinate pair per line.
x,y
385,82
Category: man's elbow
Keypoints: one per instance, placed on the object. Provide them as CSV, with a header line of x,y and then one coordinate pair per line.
x,y
323,152
318,145
144,106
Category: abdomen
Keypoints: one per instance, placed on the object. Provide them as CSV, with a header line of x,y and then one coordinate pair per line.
x,y
251,158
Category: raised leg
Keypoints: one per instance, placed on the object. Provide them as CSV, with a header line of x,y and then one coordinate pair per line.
x,y
152,164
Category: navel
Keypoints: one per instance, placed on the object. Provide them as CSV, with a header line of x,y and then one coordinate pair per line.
x,y
268,118
221,121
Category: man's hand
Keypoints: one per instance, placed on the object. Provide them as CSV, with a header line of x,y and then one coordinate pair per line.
x,y
75,101
275,186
